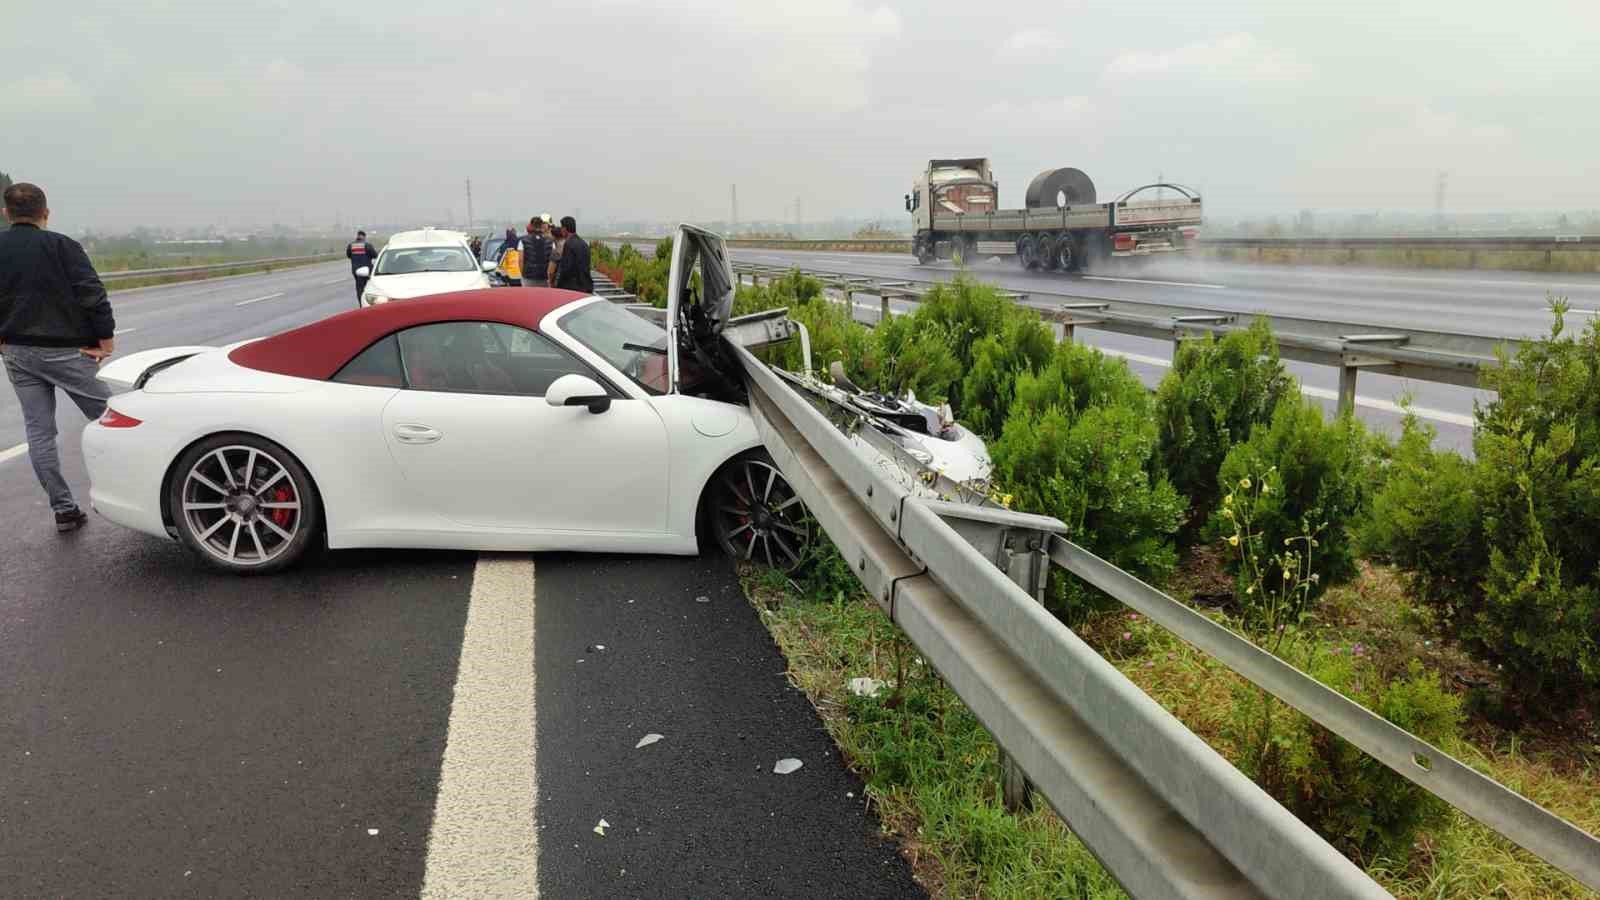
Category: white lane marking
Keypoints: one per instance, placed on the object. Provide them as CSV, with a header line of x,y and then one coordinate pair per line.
x,y
338,280
1193,284
1585,312
13,453
1421,412
484,842
259,299
121,331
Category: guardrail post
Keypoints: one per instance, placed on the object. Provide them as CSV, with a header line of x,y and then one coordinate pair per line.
x,y
883,312
1028,566
1347,389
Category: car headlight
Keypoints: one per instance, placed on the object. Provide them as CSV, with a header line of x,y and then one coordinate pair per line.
x,y
374,299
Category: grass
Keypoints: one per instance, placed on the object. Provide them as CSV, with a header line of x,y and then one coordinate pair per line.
x,y
1548,763
123,284
933,773
931,770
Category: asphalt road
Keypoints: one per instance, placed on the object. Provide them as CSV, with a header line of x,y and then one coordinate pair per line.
x,y
1496,304
393,724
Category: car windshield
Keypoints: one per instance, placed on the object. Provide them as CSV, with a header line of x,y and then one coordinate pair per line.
x,y
491,247
636,347
409,260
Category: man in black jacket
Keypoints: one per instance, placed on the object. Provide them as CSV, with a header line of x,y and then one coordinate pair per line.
x,y
55,329
572,272
536,252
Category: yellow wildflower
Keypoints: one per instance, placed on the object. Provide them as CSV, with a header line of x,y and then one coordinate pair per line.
x,y
1233,540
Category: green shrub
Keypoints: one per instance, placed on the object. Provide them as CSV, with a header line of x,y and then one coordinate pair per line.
x,y
917,357
1360,805
1506,548
1023,345
1424,517
790,290
1317,472
664,250
1077,445
967,312
1216,391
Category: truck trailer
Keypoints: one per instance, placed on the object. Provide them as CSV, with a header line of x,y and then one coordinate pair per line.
x,y
954,208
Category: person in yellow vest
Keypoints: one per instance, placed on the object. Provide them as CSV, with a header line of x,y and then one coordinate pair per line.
x,y
511,259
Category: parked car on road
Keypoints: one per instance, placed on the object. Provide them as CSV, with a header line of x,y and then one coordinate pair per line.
x,y
418,263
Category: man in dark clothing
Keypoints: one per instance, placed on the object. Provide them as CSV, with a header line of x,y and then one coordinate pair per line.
x,y
361,254
536,252
55,329
572,272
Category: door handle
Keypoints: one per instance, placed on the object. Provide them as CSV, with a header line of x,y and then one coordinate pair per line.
x,y
407,433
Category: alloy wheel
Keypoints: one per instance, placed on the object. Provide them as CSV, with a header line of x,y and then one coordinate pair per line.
x,y
242,505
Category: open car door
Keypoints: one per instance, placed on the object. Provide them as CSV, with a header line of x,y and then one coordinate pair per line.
x,y
700,289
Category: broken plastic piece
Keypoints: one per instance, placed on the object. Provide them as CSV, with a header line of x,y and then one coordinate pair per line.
x,y
865,687
601,828
647,740
785,766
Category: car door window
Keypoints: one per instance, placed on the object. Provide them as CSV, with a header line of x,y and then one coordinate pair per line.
x,y
484,358
376,366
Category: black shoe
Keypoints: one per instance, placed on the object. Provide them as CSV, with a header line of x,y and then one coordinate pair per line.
x,y
71,521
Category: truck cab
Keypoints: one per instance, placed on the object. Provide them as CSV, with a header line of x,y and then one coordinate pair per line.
x,y
952,186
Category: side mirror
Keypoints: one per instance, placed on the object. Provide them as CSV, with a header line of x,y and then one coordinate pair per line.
x,y
578,390
363,272
488,265
908,203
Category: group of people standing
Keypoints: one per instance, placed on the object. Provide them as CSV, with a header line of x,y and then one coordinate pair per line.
x,y
553,254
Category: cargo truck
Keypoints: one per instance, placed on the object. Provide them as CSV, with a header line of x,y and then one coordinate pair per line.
x,y
954,208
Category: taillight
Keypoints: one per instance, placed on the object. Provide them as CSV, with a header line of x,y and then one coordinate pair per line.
x,y
1190,234
113,419
1124,242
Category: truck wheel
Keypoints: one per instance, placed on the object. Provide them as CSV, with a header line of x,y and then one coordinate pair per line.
x,y
1047,251
923,248
1066,258
1028,251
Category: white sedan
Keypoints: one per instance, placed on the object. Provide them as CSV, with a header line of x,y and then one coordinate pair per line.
x,y
509,419
421,263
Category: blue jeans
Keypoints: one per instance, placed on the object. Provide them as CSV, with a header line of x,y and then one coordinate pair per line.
x,y
35,373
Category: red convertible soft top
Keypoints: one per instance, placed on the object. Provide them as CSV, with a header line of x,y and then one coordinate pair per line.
x,y
322,348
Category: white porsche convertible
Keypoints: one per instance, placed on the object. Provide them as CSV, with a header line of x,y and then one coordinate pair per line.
x,y
526,419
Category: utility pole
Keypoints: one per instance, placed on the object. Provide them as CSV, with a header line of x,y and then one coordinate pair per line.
x,y
733,225
1438,201
799,220
469,204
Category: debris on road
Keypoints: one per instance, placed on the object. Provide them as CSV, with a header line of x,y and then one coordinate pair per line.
x,y
702,599
785,766
647,740
865,687
601,828
596,648
372,831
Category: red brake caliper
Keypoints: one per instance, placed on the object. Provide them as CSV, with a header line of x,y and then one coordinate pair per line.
x,y
282,516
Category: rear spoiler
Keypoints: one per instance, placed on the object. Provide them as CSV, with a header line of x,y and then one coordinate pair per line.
x,y
129,373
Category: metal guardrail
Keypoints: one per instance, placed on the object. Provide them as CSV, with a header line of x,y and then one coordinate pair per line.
x,y
1435,356
1165,814
216,267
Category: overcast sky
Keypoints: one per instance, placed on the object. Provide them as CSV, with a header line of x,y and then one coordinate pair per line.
x,y
181,112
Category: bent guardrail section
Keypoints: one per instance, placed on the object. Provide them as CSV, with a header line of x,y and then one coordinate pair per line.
x,y
1166,814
